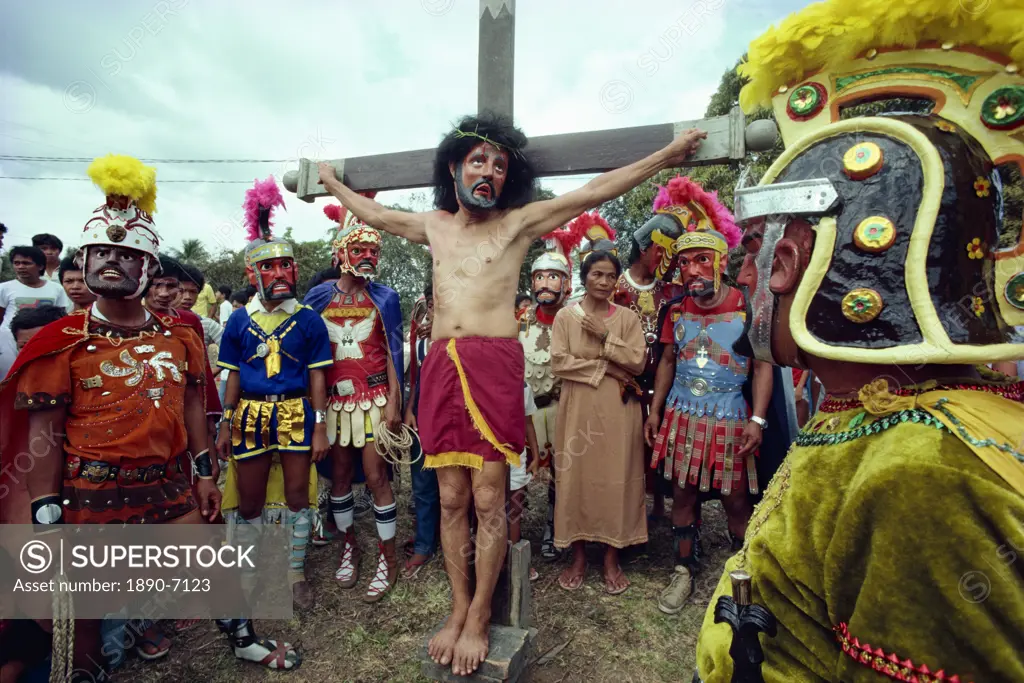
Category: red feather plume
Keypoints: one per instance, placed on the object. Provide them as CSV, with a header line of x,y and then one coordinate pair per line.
x,y
585,221
565,238
335,212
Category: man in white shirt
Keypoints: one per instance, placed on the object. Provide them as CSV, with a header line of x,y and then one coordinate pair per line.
x,y
224,307
51,246
29,290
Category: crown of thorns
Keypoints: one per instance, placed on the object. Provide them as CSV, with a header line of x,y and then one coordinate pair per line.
x,y
459,133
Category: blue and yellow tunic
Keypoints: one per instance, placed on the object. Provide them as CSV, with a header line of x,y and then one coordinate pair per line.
x,y
273,353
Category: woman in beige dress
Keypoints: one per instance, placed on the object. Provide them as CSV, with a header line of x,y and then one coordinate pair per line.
x,y
597,348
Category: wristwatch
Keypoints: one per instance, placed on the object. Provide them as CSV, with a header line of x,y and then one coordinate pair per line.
x,y
321,417
761,422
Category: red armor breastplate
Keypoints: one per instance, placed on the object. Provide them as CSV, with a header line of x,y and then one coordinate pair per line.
x,y
646,303
360,370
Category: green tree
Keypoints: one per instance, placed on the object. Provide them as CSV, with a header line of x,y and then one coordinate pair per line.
x,y
192,252
630,211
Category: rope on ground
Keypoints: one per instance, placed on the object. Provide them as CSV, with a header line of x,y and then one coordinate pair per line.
x,y
394,447
63,660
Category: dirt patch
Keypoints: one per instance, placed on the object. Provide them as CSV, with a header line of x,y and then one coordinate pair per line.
x,y
621,639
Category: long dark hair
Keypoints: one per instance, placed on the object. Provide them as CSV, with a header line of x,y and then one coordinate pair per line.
x,y
520,179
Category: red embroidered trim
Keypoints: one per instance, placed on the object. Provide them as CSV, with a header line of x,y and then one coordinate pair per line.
x,y
888,664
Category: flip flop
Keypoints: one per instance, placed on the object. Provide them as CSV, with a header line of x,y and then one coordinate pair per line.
x,y
413,568
157,643
616,591
533,574
574,583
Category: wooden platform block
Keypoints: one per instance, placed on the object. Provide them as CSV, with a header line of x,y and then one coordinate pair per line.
x,y
506,660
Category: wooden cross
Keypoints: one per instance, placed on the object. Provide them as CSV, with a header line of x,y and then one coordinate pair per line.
x,y
553,155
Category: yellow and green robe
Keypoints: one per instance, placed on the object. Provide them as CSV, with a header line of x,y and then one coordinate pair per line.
x,y
890,545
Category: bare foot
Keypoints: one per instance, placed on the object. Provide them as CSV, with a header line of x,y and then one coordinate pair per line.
x,y
442,645
471,650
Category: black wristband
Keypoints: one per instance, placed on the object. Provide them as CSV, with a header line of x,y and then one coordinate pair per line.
x,y
204,468
48,510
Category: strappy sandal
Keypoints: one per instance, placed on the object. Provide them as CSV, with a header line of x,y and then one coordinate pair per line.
x,y
384,578
347,573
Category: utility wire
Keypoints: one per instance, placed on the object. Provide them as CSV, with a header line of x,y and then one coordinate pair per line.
x,y
26,177
86,160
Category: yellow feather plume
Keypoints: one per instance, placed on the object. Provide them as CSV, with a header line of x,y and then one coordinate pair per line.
x,y
126,176
826,34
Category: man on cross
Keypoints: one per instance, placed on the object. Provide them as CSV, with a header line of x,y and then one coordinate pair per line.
x,y
471,421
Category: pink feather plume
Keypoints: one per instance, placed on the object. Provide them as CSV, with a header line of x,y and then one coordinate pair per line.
x,y
263,194
682,190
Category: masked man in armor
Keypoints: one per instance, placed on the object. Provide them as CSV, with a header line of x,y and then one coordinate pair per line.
x,y
274,425
700,425
364,321
551,276
887,546
124,388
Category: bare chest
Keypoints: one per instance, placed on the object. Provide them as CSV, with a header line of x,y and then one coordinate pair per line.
x,y
483,251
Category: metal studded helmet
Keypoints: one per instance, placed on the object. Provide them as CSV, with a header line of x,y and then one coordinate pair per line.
x,y
126,219
906,208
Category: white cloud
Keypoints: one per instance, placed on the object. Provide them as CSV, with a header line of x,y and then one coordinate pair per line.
x,y
195,79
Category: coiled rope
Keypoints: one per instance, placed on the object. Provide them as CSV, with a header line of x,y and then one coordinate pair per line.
x,y
63,660
394,447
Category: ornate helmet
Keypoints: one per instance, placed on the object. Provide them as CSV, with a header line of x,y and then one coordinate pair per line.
x,y
126,219
906,208
592,232
703,222
559,244
260,201
662,230
350,231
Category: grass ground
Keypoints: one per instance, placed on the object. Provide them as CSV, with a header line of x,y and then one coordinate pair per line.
x,y
624,639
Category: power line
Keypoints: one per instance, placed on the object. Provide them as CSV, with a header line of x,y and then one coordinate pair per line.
x,y
86,160
215,182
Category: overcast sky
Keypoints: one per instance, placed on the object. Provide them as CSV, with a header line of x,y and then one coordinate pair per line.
x,y
205,79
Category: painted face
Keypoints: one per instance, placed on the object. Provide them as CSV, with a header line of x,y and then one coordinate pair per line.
x,y
74,286
274,278
549,287
362,258
163,293
601,280
25,269
115,272
480,177
697,272
763,336
659,261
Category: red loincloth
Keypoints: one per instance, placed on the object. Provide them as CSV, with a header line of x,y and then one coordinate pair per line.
x,y
471,409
